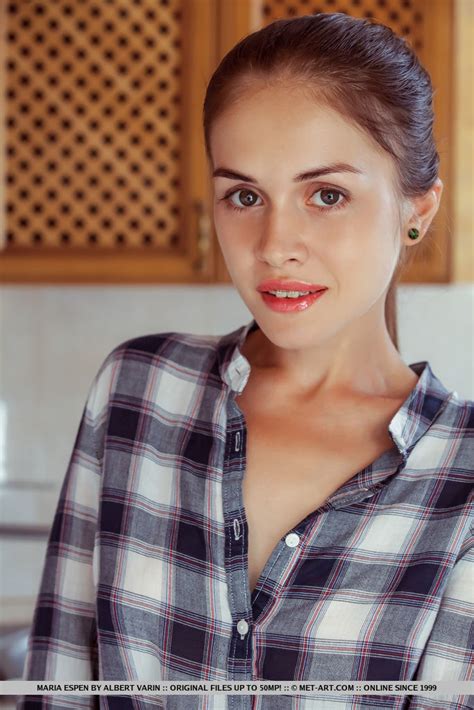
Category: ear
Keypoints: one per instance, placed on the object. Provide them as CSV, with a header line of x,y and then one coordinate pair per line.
x,y
422,211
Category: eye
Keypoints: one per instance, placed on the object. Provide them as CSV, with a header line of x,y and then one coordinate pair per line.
x,y
246,200
329,195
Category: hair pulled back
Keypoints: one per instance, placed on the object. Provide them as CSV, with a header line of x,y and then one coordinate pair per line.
x,y
358,67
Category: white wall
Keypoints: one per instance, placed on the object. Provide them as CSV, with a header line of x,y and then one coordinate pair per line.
x,y
436,323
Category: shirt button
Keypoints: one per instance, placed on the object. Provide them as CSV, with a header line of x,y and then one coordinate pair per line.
x,y
237,533
292,539
242,627
237,441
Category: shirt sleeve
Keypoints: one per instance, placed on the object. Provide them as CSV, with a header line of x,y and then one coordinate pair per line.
x,y
449,653
62,643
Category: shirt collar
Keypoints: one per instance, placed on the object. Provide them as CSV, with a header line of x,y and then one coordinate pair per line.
x,y
415,416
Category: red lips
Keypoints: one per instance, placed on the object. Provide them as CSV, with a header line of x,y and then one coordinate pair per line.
x,y
281,285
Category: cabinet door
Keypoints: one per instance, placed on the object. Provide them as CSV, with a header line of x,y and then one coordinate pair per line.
x,y
104,167
428,27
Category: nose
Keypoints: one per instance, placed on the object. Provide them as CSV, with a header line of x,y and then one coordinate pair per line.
x,y
281,240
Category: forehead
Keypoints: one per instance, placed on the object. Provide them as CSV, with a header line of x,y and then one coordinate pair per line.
x,y
274,127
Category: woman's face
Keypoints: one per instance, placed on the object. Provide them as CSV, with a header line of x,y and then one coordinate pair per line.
x,y
339,230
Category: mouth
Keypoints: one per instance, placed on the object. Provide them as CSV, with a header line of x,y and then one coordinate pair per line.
x,y
284,293
290,301
281,287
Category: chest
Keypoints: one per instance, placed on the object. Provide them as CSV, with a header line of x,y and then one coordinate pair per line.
x,y
294,462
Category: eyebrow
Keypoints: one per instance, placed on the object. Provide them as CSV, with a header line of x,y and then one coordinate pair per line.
x,y
307,175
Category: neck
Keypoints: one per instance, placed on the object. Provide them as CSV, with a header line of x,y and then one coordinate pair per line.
x,y
357,362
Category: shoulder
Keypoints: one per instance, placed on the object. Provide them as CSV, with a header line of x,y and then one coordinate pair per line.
x,y
164,350
452,442
130,364
159,349
163,343
458,415
127,368
443,462
445,449
453,437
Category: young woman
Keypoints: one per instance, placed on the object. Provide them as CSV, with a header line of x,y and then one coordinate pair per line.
x,y
290,500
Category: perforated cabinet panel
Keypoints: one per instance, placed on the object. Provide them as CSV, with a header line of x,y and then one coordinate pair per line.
x,y
93,124
94,134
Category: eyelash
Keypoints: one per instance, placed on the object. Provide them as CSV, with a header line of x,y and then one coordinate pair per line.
x,y
330,208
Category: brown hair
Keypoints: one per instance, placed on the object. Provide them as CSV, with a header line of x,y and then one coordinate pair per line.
x,y
358,67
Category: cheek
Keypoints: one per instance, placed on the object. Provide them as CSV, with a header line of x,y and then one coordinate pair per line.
x,y
367,242
363,263
230,236
236,252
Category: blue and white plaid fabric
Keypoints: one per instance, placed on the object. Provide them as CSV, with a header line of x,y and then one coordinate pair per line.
x,y
145,576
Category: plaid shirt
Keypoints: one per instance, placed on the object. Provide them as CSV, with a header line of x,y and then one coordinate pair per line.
x,y
145,576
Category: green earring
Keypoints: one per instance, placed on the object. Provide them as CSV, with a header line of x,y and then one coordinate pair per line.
x,y
413,233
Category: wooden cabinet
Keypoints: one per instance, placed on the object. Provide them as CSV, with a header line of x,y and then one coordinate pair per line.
x,y
106,178
462,154
104,164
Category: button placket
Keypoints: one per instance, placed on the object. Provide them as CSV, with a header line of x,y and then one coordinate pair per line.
x,y
240,661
